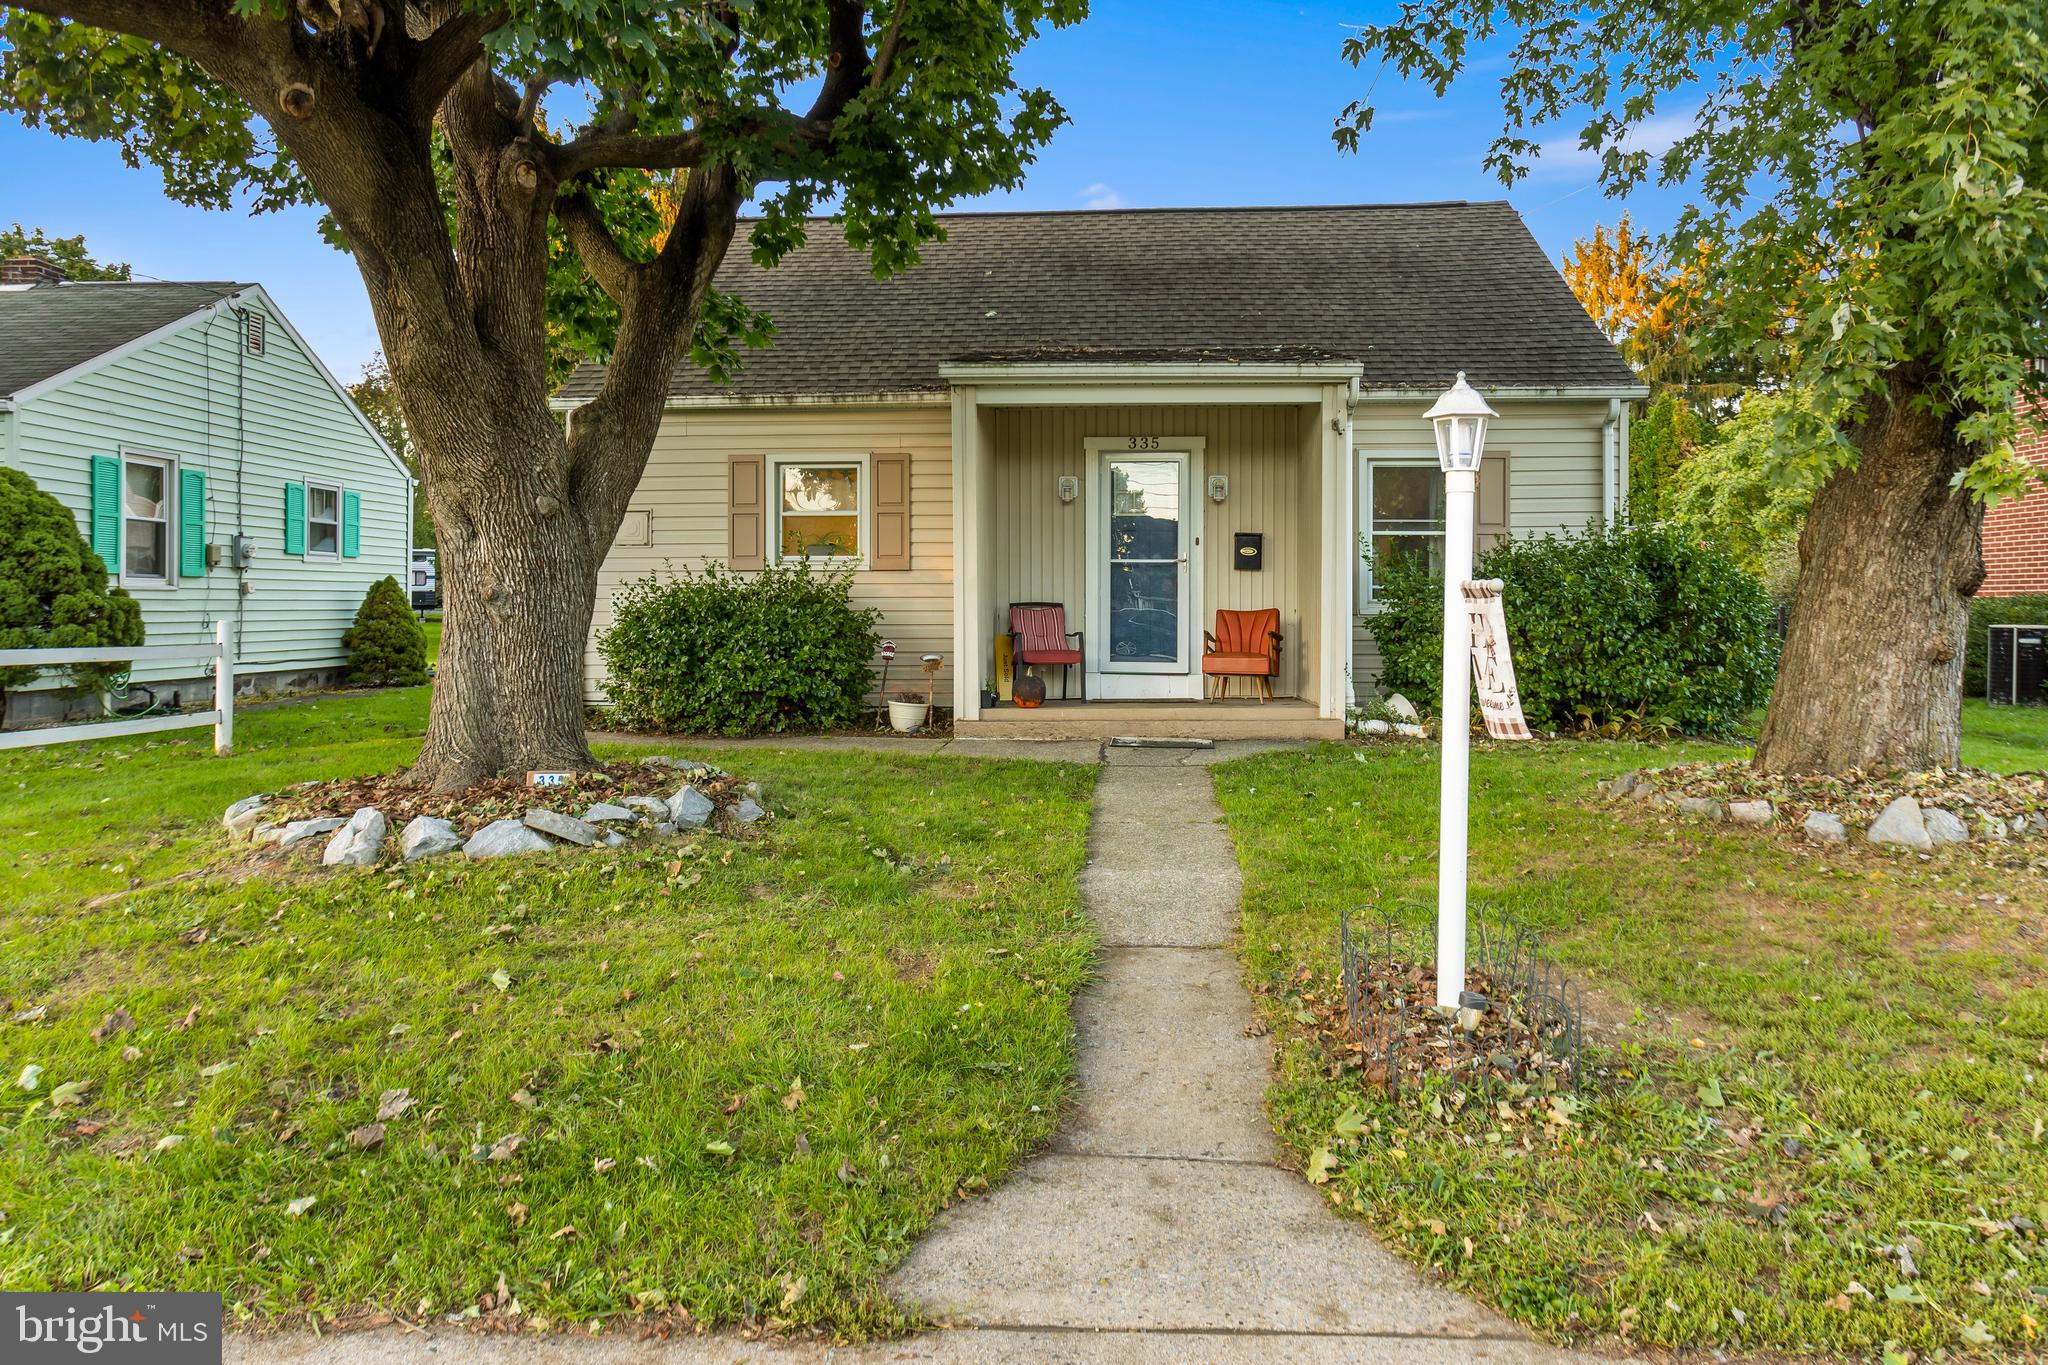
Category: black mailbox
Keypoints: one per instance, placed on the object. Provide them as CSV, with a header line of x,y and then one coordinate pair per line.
x,y
1251,551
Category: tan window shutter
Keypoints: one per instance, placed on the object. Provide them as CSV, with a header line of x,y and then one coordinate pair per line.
x,y
889,512
1492,525
746,512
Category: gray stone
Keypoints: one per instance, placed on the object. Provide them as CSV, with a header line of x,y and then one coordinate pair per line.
x,y
1901,823
1751,812
244,815
646,807
1705,808
1400,708
357,843
611,838
1621,788
748,810
1993,828
428,836
266,834
604,813
1944,827
689,808
1823,828
753,789
2037,823
501,837
563,826
298,831
666,827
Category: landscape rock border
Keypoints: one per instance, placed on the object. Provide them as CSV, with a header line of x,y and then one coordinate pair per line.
x,y
1921,811
498,818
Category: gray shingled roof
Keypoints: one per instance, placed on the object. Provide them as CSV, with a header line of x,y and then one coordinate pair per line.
x,y
1413,292
46,329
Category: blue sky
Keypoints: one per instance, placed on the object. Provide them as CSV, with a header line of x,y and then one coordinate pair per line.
x,y
1196,102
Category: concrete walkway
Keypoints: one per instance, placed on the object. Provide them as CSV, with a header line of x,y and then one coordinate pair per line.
x,y
1160,1226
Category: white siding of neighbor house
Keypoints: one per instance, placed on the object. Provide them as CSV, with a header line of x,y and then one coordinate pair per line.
x,y
683,494
176,398
1554,460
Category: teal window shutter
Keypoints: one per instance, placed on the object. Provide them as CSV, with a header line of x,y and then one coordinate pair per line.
x,y
351,524
191,523
295,518
106,511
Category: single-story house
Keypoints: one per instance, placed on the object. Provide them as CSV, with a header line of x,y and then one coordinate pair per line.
x,y
213,463
1143,416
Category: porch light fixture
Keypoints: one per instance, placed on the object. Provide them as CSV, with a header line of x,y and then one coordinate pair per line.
x,y
1460,421
1067,487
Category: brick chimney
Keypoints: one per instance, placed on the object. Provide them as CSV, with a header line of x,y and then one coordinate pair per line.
x,y
29,268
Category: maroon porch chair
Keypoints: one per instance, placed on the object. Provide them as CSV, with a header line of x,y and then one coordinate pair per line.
x,y
1245,644
1039,635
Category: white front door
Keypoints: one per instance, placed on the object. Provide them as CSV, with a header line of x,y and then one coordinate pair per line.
x,y
1145,545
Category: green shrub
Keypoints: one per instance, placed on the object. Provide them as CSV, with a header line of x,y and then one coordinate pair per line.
x,y
1996,611
1640,627
386,647
723,653
53,588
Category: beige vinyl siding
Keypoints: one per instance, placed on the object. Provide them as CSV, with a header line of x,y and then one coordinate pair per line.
x,y
1039,544
1554,453
176,398
683,493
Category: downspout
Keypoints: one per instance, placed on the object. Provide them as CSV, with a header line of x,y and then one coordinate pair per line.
x,y
1349,555
1622,463
1610,440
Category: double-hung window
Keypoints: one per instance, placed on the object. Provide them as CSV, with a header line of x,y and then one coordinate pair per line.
x,y
1401,513
818,509
323,521
147,488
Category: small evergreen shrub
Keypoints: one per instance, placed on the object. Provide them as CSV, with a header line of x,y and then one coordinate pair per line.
x,y
53,589
386,647
1637,629
724,653
2028,610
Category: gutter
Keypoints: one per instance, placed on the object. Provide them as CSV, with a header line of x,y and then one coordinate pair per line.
x,y
936,398
1161,373
1511,392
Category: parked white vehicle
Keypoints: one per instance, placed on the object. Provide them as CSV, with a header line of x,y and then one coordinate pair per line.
x,y
426,580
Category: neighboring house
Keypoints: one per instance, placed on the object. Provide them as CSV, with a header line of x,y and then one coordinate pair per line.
x,y
959,434
2016,532
212,462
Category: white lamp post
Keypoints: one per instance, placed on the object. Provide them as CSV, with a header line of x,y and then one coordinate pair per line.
x,y
1460,420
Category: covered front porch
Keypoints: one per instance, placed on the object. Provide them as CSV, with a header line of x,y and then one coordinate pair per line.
x,y
1130,504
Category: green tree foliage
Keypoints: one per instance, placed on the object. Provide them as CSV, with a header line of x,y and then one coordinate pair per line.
x,y
386,647
1745,492
53,588
724,653
1641,628
68,254
1670,430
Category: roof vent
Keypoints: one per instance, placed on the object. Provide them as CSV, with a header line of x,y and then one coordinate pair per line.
x,y
252,326
29,268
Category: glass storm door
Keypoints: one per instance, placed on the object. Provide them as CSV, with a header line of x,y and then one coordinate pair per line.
x,y
1145,580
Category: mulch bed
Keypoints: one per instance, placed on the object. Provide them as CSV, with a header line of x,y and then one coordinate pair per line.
x,y
501,798
1859,798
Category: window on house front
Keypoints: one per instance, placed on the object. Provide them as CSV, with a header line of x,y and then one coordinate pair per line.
x,y
145,520
1401,512
323,520
818,511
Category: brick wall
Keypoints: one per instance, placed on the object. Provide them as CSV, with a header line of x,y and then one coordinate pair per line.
x,y
2016,532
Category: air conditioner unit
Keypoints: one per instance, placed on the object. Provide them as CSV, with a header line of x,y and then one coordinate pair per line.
x,y
2016,665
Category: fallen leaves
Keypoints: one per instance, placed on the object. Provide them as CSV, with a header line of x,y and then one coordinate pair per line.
x,y
119,1021
393,1104
506,1147
367,1138
300,1207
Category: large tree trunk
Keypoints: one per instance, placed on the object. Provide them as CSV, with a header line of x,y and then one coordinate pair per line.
x,y
1872,671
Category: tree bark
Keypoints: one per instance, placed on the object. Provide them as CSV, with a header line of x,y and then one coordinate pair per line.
x,y
1872,672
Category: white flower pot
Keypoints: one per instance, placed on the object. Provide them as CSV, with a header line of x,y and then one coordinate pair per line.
x,y
907,716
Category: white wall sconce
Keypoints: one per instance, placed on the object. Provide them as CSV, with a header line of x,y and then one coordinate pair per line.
x,y
1219,487
1069,487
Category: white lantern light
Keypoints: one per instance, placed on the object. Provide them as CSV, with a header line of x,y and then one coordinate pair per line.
x,y
1460,420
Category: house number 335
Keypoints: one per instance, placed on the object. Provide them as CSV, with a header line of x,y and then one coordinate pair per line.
x,y
1143,443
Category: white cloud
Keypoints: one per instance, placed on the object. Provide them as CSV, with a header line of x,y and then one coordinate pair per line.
x,y
1100,196
1655,136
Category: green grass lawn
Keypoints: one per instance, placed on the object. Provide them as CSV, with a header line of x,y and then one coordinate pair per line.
x,y
728,1079
1825,1057
2005,739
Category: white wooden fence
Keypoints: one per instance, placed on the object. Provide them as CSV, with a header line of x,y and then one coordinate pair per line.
x,y
221,717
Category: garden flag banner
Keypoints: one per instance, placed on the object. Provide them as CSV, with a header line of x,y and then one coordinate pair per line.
x,y
1493,669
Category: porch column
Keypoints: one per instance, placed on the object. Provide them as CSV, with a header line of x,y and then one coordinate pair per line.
x,y
969,571
1338,549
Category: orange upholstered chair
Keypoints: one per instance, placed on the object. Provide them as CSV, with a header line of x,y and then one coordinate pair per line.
x,y
1039,635
1245,644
